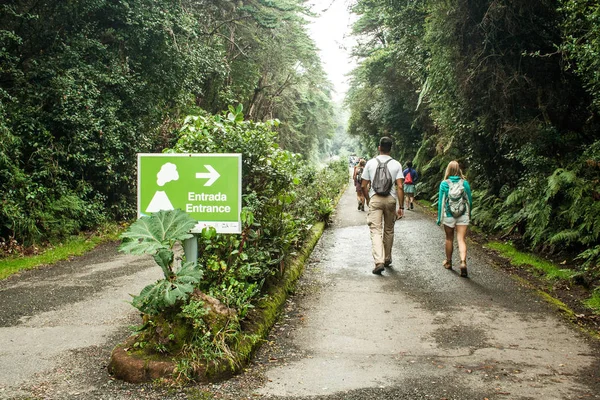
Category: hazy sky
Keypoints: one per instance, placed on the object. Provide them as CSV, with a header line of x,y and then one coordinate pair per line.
x,y
331,32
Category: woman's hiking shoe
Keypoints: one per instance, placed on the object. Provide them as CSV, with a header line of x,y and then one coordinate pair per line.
x,y
463,269
447,264
412,206
379,268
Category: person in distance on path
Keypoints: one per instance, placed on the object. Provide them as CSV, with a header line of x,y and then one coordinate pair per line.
x,y
454,211
357,177
383,196
410,180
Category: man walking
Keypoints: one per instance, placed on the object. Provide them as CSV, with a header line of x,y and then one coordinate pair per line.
x,y
379,177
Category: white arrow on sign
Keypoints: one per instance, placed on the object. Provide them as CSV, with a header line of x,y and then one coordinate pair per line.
x,y
212,175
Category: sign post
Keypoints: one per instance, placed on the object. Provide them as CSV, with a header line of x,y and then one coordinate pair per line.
x,y
206,186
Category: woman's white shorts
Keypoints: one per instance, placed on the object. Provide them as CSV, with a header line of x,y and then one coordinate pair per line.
x,y
452,222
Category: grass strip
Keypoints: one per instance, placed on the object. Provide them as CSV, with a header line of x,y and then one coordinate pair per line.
x,y
423,202
74,246
594,302
517,258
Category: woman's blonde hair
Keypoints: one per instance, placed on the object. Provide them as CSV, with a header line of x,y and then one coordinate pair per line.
x,y
362,162
453,169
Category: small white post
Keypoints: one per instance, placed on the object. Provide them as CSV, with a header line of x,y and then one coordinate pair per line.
x,y
190,249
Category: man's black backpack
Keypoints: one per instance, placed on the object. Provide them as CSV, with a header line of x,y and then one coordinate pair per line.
x,y
382,181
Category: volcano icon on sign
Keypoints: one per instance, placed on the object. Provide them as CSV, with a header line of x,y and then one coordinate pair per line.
x,y
159,202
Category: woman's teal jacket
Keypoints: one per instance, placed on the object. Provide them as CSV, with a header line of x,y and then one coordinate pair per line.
x,y
444,193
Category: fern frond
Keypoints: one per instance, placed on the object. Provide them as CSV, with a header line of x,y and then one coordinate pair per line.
x,y
559,180
566,236
590,257
517,197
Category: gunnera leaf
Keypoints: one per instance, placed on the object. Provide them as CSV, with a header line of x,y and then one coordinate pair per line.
x,y
164,258
189,273
149,299
159,231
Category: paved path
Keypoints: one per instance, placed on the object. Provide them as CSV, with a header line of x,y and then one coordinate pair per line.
x,y
420,331
50,313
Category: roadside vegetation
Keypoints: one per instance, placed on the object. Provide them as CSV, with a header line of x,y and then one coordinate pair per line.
x,y
507,88
196,313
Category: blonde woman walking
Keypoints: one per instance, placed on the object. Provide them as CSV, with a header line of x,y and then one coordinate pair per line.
x,y
454,212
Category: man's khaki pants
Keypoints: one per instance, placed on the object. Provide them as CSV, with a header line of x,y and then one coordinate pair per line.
x,y
381,219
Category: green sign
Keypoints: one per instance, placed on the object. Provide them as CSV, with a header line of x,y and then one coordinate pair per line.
x,y
206,186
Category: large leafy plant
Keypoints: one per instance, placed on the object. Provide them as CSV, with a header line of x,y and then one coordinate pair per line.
x,y
157,235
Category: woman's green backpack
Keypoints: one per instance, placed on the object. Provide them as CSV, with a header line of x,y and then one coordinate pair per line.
x,y
457,201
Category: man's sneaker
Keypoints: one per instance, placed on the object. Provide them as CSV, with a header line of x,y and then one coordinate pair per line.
x,y
379,268
388,264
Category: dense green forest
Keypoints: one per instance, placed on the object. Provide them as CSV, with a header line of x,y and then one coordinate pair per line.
x,y
87,84
510,89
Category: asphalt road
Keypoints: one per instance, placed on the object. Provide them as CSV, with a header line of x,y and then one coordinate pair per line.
x,y
49,315
416,332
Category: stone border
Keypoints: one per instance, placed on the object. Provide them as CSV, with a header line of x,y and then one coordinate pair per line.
x,y
136,367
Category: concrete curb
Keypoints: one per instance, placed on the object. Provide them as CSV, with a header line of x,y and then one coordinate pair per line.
x,y
137,367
